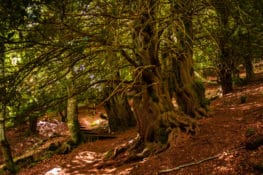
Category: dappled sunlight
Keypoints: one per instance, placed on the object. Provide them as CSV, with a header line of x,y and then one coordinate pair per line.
x,y
93,121
49,128
125,172
226,166
88,157
78,166
247,106
242,100
56,171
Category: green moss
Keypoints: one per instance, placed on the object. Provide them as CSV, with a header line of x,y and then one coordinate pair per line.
x,y
199,89
108,154
250,132
243,99
239,81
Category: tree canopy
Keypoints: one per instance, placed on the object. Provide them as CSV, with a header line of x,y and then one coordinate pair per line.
x,y
58,54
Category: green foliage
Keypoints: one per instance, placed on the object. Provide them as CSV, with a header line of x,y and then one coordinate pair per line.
x,y
243,99
250,132
239,81
42,42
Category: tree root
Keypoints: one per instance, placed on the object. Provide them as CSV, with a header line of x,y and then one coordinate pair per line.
x,y
196,162
130,153
110,156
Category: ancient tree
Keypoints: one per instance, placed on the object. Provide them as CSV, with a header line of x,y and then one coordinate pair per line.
x,y
155,114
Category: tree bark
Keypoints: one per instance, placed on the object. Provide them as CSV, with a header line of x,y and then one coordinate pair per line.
x,y
248,59
33,123
225,59
189,92
249,68
72,110
119,112
154,111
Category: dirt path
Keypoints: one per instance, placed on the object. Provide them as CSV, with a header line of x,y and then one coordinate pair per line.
x,y
221,137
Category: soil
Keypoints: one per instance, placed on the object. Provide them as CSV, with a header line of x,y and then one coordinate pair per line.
x,y
218,147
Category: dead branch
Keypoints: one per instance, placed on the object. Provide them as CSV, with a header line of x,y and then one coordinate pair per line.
x,y
197,162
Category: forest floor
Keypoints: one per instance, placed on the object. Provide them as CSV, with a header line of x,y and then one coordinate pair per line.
x,y
218,147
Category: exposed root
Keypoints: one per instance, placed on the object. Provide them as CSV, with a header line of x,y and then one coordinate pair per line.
x,y
130,153
110,156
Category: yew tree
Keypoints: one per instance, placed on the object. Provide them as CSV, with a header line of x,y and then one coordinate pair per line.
x,y
154,111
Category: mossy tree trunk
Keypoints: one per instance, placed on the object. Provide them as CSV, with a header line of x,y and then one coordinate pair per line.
x,y
72,109
156,117
189,92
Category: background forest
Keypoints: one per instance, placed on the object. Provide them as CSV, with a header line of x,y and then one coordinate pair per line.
x,y
146,62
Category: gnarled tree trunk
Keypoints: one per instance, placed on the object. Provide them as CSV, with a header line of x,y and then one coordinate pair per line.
x,y
154,111
189,92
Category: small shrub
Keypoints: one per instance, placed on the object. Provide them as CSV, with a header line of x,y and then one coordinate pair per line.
x,y
239,81
250,132
243,99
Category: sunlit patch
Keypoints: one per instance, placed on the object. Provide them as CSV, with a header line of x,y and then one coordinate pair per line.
x,y
126,171
109,170
224,169
88,157
56,171
51,128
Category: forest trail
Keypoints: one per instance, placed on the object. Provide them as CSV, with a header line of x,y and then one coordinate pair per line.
x,y
233,120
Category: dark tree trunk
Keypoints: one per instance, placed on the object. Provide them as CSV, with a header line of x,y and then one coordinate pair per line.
x,y
117,108
248,59
119,113
225,75
33,123
224,44
249,68
63,115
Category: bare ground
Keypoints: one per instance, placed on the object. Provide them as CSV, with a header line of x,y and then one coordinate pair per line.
x,y
219,146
